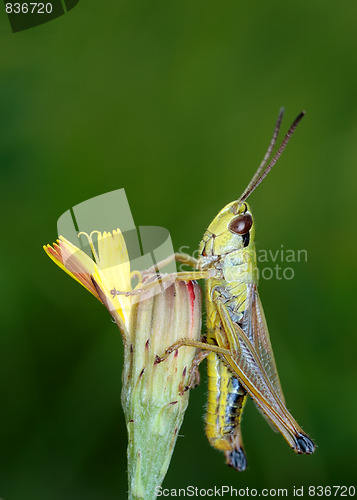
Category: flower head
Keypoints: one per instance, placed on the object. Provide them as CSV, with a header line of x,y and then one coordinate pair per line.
x,y
108,269
152,394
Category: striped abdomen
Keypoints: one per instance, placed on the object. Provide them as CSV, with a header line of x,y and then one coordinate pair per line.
x,y
226,399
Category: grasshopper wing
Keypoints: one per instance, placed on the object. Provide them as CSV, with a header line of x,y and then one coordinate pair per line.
x,y
246,363
255,327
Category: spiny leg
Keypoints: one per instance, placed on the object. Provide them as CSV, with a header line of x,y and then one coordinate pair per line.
x,y
163,282
192,343
187,259
184,258
194,374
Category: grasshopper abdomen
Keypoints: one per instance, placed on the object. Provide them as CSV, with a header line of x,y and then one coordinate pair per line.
x,y
226,400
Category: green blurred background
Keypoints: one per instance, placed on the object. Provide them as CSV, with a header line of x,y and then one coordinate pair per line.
x,y
175,102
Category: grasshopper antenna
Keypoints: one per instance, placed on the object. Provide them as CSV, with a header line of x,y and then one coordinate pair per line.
x,y
263,171
251,185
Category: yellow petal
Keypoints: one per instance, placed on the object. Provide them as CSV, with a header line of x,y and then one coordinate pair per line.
x,y
73,261
114,271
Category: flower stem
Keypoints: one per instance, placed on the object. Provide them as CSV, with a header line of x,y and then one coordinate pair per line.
x,y
152,436
152,397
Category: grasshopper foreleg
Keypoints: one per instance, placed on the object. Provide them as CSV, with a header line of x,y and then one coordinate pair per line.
x,y
184,258
162,282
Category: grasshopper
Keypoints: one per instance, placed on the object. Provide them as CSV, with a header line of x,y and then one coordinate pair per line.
x,y
240,356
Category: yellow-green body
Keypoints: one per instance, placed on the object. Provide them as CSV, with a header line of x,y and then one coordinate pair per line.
x,y
226,395
236,322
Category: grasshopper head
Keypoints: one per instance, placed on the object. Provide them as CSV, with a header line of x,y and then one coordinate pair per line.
x,y
230,230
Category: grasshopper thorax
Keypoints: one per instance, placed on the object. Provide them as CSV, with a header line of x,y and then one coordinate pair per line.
x,y
232,229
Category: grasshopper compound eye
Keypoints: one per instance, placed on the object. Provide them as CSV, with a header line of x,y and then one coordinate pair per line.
x,y
241,224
